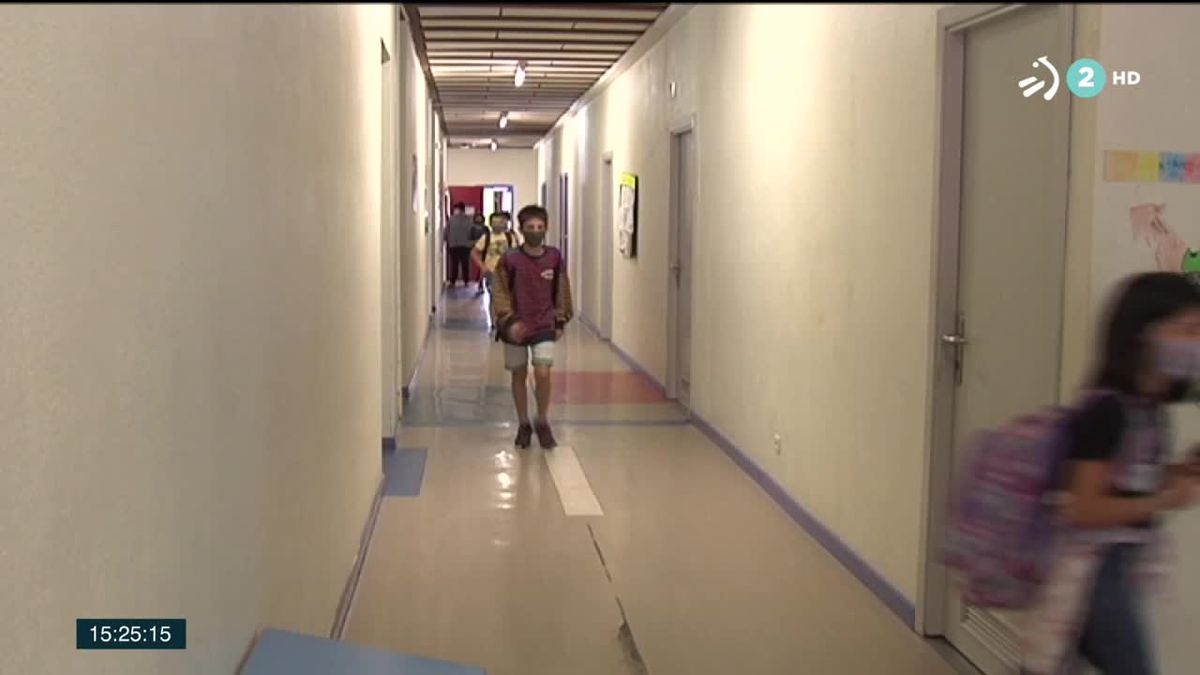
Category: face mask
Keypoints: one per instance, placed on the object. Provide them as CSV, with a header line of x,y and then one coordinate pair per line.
x,y
1178,359
535,239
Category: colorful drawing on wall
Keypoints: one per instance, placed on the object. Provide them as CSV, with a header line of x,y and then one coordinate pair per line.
x,y
627,205
1171,252
1172,167
1136,166
1119,165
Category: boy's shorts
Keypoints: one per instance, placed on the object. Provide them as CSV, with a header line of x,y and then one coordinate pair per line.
x,y
517,357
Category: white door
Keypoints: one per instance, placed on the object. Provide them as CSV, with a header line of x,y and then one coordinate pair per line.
x,y
606,250
1004,342
683,188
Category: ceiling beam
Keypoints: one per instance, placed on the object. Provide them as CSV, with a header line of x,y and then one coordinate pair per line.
x,y
517,46
494,131
439,40
498,27
615,21
569,6
557,57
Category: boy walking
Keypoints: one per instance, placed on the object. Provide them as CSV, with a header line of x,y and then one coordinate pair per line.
x,y
495,242
531,304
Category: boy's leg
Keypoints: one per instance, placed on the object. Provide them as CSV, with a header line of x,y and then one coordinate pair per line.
x,y
516,361
541,378
543,360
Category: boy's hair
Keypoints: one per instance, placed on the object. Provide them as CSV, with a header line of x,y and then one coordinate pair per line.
x,y
458,206
533,212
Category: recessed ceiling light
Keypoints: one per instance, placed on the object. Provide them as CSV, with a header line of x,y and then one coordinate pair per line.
x,y
519,77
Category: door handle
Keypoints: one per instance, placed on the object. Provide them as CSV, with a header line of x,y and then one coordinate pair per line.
x,y
956,340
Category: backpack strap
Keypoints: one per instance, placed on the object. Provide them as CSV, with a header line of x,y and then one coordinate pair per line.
x,y
558,263
511,269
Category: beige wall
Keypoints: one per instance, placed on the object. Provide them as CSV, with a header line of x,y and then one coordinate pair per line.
x,y
815,137
189,322
417,231
510,166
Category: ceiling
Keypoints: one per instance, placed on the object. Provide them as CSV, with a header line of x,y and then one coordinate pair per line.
x,y
470,55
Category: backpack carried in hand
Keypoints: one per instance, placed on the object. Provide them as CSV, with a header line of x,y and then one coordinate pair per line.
x,y
1003,526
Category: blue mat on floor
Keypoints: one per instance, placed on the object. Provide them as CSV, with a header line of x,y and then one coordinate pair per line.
x,y
404,471
285,653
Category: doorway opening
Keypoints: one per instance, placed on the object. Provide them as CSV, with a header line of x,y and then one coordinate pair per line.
x,y
683,194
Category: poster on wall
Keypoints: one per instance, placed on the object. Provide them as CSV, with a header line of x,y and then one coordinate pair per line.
x,y
627,210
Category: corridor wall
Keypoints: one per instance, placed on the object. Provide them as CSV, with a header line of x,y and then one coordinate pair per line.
x,y
418,231
508,166
189,322
815,141
815,130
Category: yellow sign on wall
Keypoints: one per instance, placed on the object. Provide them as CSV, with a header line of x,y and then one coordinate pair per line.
x,y
627,205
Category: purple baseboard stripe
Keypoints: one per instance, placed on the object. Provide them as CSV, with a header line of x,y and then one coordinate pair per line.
x,y
633,363
901,606
406,390
894,599
590,326
346,603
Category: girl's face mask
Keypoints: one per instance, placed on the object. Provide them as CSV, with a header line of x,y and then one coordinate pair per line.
x,y
1178,359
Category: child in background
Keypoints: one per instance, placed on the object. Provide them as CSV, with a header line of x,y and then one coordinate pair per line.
x,y
492,246
531,304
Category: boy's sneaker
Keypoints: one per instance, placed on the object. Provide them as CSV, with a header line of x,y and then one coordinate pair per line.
x,y
524,435
545,436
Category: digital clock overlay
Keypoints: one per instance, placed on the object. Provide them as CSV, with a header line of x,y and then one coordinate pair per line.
x,y
130,634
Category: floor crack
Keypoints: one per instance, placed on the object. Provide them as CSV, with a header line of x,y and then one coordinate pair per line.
x,y
633,655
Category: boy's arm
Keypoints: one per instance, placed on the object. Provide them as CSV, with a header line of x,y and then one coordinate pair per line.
x,y
501,296
565,310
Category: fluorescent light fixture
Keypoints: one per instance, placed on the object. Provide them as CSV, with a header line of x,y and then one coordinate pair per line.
x,y
503,120
519,78
495,145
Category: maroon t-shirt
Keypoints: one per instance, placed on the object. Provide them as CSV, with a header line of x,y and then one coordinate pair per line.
x,y
533,282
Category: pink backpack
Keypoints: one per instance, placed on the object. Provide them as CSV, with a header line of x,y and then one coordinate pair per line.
x,y
1004,523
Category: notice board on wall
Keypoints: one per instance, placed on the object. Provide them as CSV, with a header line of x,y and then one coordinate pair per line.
x,y
627,212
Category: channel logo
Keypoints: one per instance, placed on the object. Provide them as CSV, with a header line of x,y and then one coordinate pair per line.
x,y
1086,78
1033,83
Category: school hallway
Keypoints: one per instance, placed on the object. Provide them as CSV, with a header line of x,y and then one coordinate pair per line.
x,y
251,424
636,546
